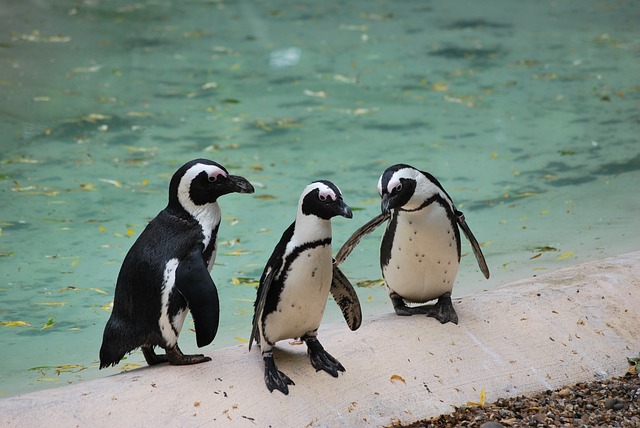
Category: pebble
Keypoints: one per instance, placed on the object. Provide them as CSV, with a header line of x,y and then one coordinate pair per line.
x,y
611,402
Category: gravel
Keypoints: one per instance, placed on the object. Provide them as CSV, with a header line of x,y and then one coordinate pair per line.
x,y
601,403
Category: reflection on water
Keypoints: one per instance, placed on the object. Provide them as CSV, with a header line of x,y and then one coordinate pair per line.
x,y
527,113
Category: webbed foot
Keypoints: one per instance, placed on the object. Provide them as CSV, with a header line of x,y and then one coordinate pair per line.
x,y
177,358
321,359
151,356
403,310
443,311
274,378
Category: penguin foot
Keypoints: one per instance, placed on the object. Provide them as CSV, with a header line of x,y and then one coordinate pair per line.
x,y
274,378
177,358
443,311
402,309
153,358
321,359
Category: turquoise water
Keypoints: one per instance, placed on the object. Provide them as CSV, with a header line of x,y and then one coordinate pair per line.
x,y
528,113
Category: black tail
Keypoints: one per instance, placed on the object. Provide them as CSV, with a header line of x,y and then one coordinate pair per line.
x,y
114,344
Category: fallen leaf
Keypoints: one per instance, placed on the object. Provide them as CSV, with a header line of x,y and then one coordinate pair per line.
x,y
102,229
483,399
114,182
318,94
128,366
565,255
244,281
236,253
370,283
398,378
241,340
48,324
15,324
535,257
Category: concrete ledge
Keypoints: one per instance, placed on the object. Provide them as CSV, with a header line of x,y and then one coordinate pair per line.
x,y
535,334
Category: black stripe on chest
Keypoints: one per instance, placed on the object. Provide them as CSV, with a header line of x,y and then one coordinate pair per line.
x,y
390,233
278,283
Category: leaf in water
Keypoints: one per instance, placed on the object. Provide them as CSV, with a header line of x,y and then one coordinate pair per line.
x,y
52,304
545,248
114,182
48,324
97,290
565,255
535,257
15,324
370,283
75,263
399,378
6,253
107,307
102,229
236,252
130,232
240,339
265,197
244,281
144,182
73,368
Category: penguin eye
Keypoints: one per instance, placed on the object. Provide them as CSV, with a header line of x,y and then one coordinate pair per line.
x,y
212,178
398,187
322,197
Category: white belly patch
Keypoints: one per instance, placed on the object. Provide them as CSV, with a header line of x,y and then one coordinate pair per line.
x,y
304,296
170,325
424,257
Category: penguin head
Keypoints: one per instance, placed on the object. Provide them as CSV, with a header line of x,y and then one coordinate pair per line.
x,y
403,186
202,181
323,199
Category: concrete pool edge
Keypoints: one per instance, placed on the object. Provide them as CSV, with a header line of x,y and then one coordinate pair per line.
x,y
567,326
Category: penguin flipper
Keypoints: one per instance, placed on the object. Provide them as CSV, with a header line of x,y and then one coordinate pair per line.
x,y
263,291
194,282
357,236
482,263
346,298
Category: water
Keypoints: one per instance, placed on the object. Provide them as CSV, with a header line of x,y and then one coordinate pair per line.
x,y
527,112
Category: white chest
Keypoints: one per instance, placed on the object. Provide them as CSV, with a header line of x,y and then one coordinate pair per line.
x,y
304,296
424,255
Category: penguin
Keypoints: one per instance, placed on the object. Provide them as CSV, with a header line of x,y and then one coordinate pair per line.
x,y
296,283
420,248
165,274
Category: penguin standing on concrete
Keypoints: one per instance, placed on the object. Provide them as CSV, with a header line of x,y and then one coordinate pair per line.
x,y
420,249
165,274
296,282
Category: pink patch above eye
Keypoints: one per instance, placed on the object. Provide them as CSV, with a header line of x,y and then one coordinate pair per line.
x,y
217,172
393,184
324,194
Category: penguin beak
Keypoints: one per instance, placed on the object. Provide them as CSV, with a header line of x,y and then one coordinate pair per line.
x,y
343,209
239,184
385,204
